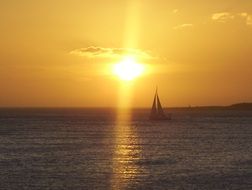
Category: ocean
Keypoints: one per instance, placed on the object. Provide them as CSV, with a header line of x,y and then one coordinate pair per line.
x,y
78,149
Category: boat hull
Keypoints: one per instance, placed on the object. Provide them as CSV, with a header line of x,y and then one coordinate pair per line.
x,y
160,118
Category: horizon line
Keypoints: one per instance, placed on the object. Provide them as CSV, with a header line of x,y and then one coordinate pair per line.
x,y
114,107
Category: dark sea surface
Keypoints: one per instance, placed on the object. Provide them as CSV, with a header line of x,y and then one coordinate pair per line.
x,y
89,149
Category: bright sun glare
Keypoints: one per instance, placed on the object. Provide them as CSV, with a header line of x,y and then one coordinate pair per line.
x,y
128,69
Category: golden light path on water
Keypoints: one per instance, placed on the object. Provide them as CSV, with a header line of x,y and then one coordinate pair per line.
x,y
125,150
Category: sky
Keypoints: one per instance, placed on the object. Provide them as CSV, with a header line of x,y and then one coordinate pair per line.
x,y
59,53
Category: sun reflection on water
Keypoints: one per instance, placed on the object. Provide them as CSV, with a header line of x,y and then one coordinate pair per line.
x,y
126,146
126,154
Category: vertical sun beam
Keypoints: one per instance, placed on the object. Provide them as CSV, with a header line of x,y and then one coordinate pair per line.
x,y
132,24
128,69
130,41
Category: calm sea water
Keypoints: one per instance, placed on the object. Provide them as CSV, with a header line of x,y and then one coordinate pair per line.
x,y
88,149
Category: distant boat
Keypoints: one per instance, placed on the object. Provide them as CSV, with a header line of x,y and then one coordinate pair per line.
x,y
157,112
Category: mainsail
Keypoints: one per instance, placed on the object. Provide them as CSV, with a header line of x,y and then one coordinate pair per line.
x,y
154,107
157,112
159,107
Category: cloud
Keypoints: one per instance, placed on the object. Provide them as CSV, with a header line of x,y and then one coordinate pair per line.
x,y
226,16
247,17
222,17
249,20
179,27
175,11
244,14
102,52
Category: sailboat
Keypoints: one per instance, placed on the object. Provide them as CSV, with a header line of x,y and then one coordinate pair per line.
x,y
157,112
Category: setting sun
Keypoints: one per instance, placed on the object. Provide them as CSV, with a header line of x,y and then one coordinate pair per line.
x,y
128,69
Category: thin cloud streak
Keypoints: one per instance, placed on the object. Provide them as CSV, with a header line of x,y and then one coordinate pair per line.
x,y
227,16
179,27
222,17
102,52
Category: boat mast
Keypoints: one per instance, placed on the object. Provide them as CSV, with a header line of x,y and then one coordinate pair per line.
x,y
154,105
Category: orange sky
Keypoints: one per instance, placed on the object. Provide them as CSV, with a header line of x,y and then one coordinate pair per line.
x,y
59,53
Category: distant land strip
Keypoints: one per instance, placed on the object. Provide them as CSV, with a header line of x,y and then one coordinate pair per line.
x,y
237,106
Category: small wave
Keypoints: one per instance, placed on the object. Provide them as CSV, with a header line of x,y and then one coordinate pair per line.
x,y
157,161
